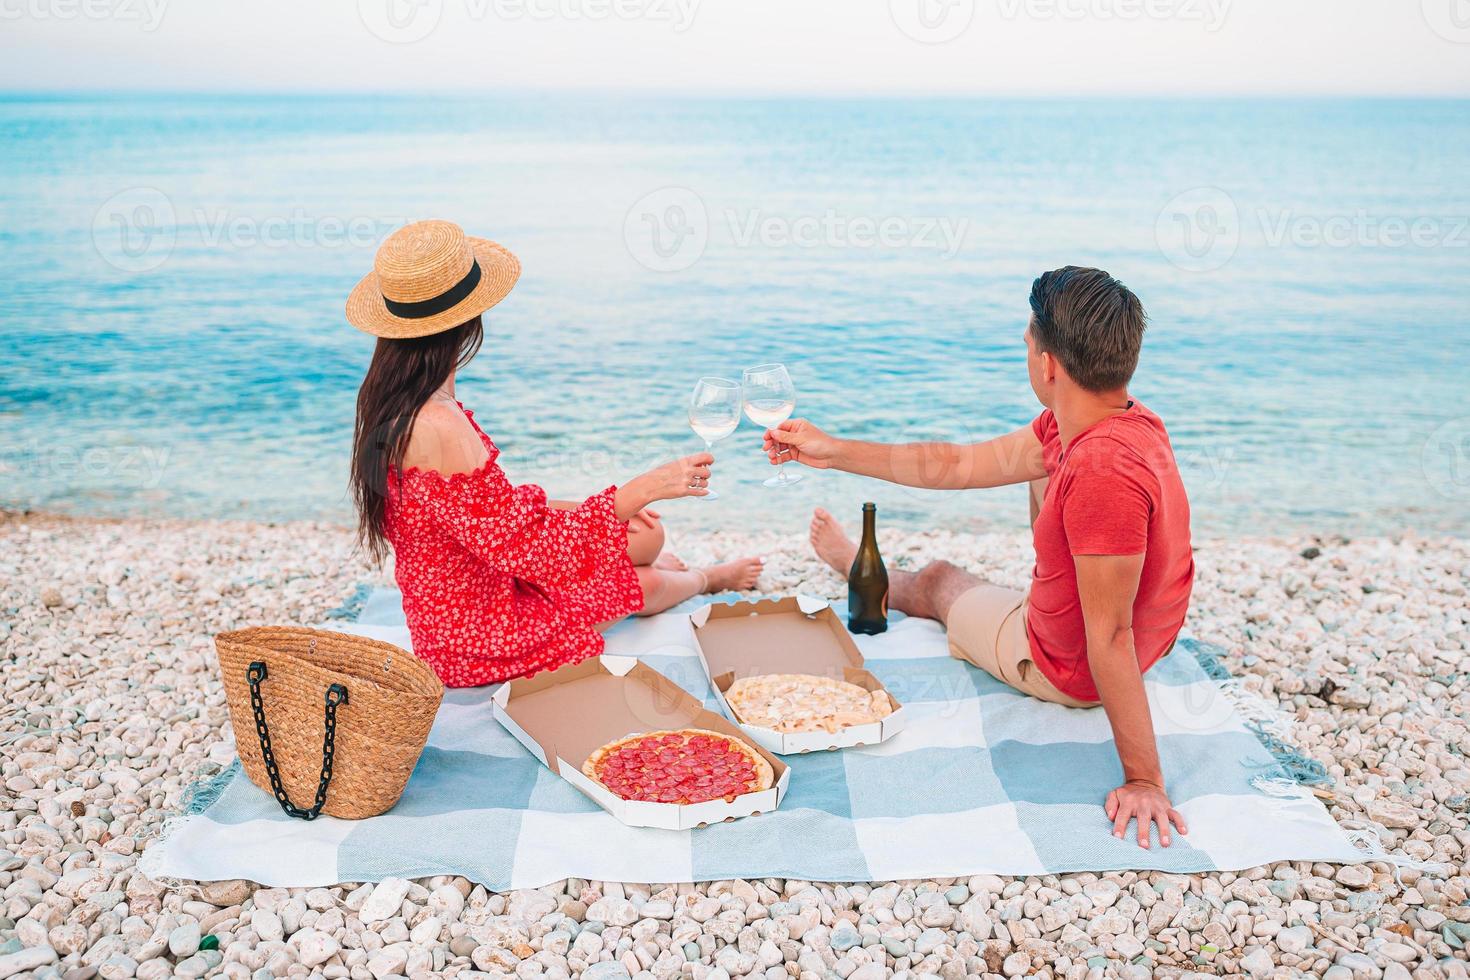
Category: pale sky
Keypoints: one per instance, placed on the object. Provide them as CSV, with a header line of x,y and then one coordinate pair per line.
x,y
742,47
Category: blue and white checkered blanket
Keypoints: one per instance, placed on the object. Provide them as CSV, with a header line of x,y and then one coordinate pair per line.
x,y
982,780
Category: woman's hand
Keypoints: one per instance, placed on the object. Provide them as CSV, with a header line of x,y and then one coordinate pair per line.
x,y
797,440
687,477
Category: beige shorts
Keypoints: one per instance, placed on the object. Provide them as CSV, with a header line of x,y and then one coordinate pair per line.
x,y
987,627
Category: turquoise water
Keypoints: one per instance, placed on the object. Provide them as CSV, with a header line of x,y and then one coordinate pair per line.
x,y
175,270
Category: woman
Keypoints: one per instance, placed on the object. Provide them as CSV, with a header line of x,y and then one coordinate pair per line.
x,y
498,582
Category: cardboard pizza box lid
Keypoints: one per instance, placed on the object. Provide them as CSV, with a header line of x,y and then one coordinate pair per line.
x,y
562,716
798,634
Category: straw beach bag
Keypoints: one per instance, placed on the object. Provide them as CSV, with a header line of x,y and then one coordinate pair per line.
x,y
333,722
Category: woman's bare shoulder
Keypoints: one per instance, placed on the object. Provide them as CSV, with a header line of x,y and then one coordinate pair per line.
x,y
443,440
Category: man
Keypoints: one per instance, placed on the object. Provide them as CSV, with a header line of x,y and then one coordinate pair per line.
x,y
1110,527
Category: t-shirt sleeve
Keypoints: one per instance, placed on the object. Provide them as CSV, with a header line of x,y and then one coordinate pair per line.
x,y
1108,500
1045,428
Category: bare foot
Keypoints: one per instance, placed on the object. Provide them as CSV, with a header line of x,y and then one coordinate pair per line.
x,y
670,563
733,576
831,543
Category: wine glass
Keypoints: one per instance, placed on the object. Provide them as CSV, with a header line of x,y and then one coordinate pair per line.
x,y
714,413
770,398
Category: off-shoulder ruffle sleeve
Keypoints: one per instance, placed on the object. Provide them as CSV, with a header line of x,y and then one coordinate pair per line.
x,y
513,529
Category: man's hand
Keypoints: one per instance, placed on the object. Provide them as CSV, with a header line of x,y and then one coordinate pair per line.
x,y
797,440
1146,803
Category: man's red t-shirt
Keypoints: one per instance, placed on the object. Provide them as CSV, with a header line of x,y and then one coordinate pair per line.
x,y
1114,491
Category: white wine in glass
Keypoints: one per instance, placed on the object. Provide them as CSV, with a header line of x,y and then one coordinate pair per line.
x,y
770,398
714,413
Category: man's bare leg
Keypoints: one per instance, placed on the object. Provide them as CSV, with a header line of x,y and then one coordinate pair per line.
x,y
928,593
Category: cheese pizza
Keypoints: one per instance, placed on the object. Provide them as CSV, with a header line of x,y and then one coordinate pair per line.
x,y
805,703
690,765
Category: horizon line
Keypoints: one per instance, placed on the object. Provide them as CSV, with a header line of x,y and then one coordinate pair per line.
x,y
115,95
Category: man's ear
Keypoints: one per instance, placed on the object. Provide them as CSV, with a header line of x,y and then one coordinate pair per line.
x,y
1048,368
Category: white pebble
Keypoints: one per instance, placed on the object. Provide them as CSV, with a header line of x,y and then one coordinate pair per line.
x,y
385,901
314,947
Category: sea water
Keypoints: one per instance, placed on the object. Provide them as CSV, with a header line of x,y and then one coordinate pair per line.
x,y
175,270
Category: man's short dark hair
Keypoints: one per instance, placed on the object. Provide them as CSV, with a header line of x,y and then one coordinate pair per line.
x,y
1090,322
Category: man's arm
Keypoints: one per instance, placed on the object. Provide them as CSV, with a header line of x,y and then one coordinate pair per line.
x,y
1011,458
1107,585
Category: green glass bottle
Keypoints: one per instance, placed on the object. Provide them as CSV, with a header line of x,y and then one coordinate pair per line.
x,y
867,581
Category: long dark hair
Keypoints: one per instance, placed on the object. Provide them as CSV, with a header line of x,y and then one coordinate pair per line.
x,y
404,374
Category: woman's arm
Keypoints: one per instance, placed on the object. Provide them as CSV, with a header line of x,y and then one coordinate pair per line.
x,y
687,477
515,528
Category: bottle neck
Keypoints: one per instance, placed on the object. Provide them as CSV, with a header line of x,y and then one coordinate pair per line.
x,y
870,522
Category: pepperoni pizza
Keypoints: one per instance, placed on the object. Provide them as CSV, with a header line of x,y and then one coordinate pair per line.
x,y
691,765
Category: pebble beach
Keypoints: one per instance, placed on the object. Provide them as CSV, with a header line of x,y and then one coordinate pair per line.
x,y
112,708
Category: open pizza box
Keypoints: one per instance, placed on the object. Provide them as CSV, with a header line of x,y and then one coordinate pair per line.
x,y
562,716
793,635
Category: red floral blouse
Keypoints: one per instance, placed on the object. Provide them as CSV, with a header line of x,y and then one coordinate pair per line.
x,y
496,584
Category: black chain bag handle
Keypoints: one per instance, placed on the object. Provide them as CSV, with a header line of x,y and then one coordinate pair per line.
x,y
336,694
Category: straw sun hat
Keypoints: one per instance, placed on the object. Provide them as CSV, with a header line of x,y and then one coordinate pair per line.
x,y
429,277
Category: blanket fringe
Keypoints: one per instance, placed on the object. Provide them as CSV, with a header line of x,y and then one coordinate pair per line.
x,y
198,797
1369,839
204,792
1266,721
1291,769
